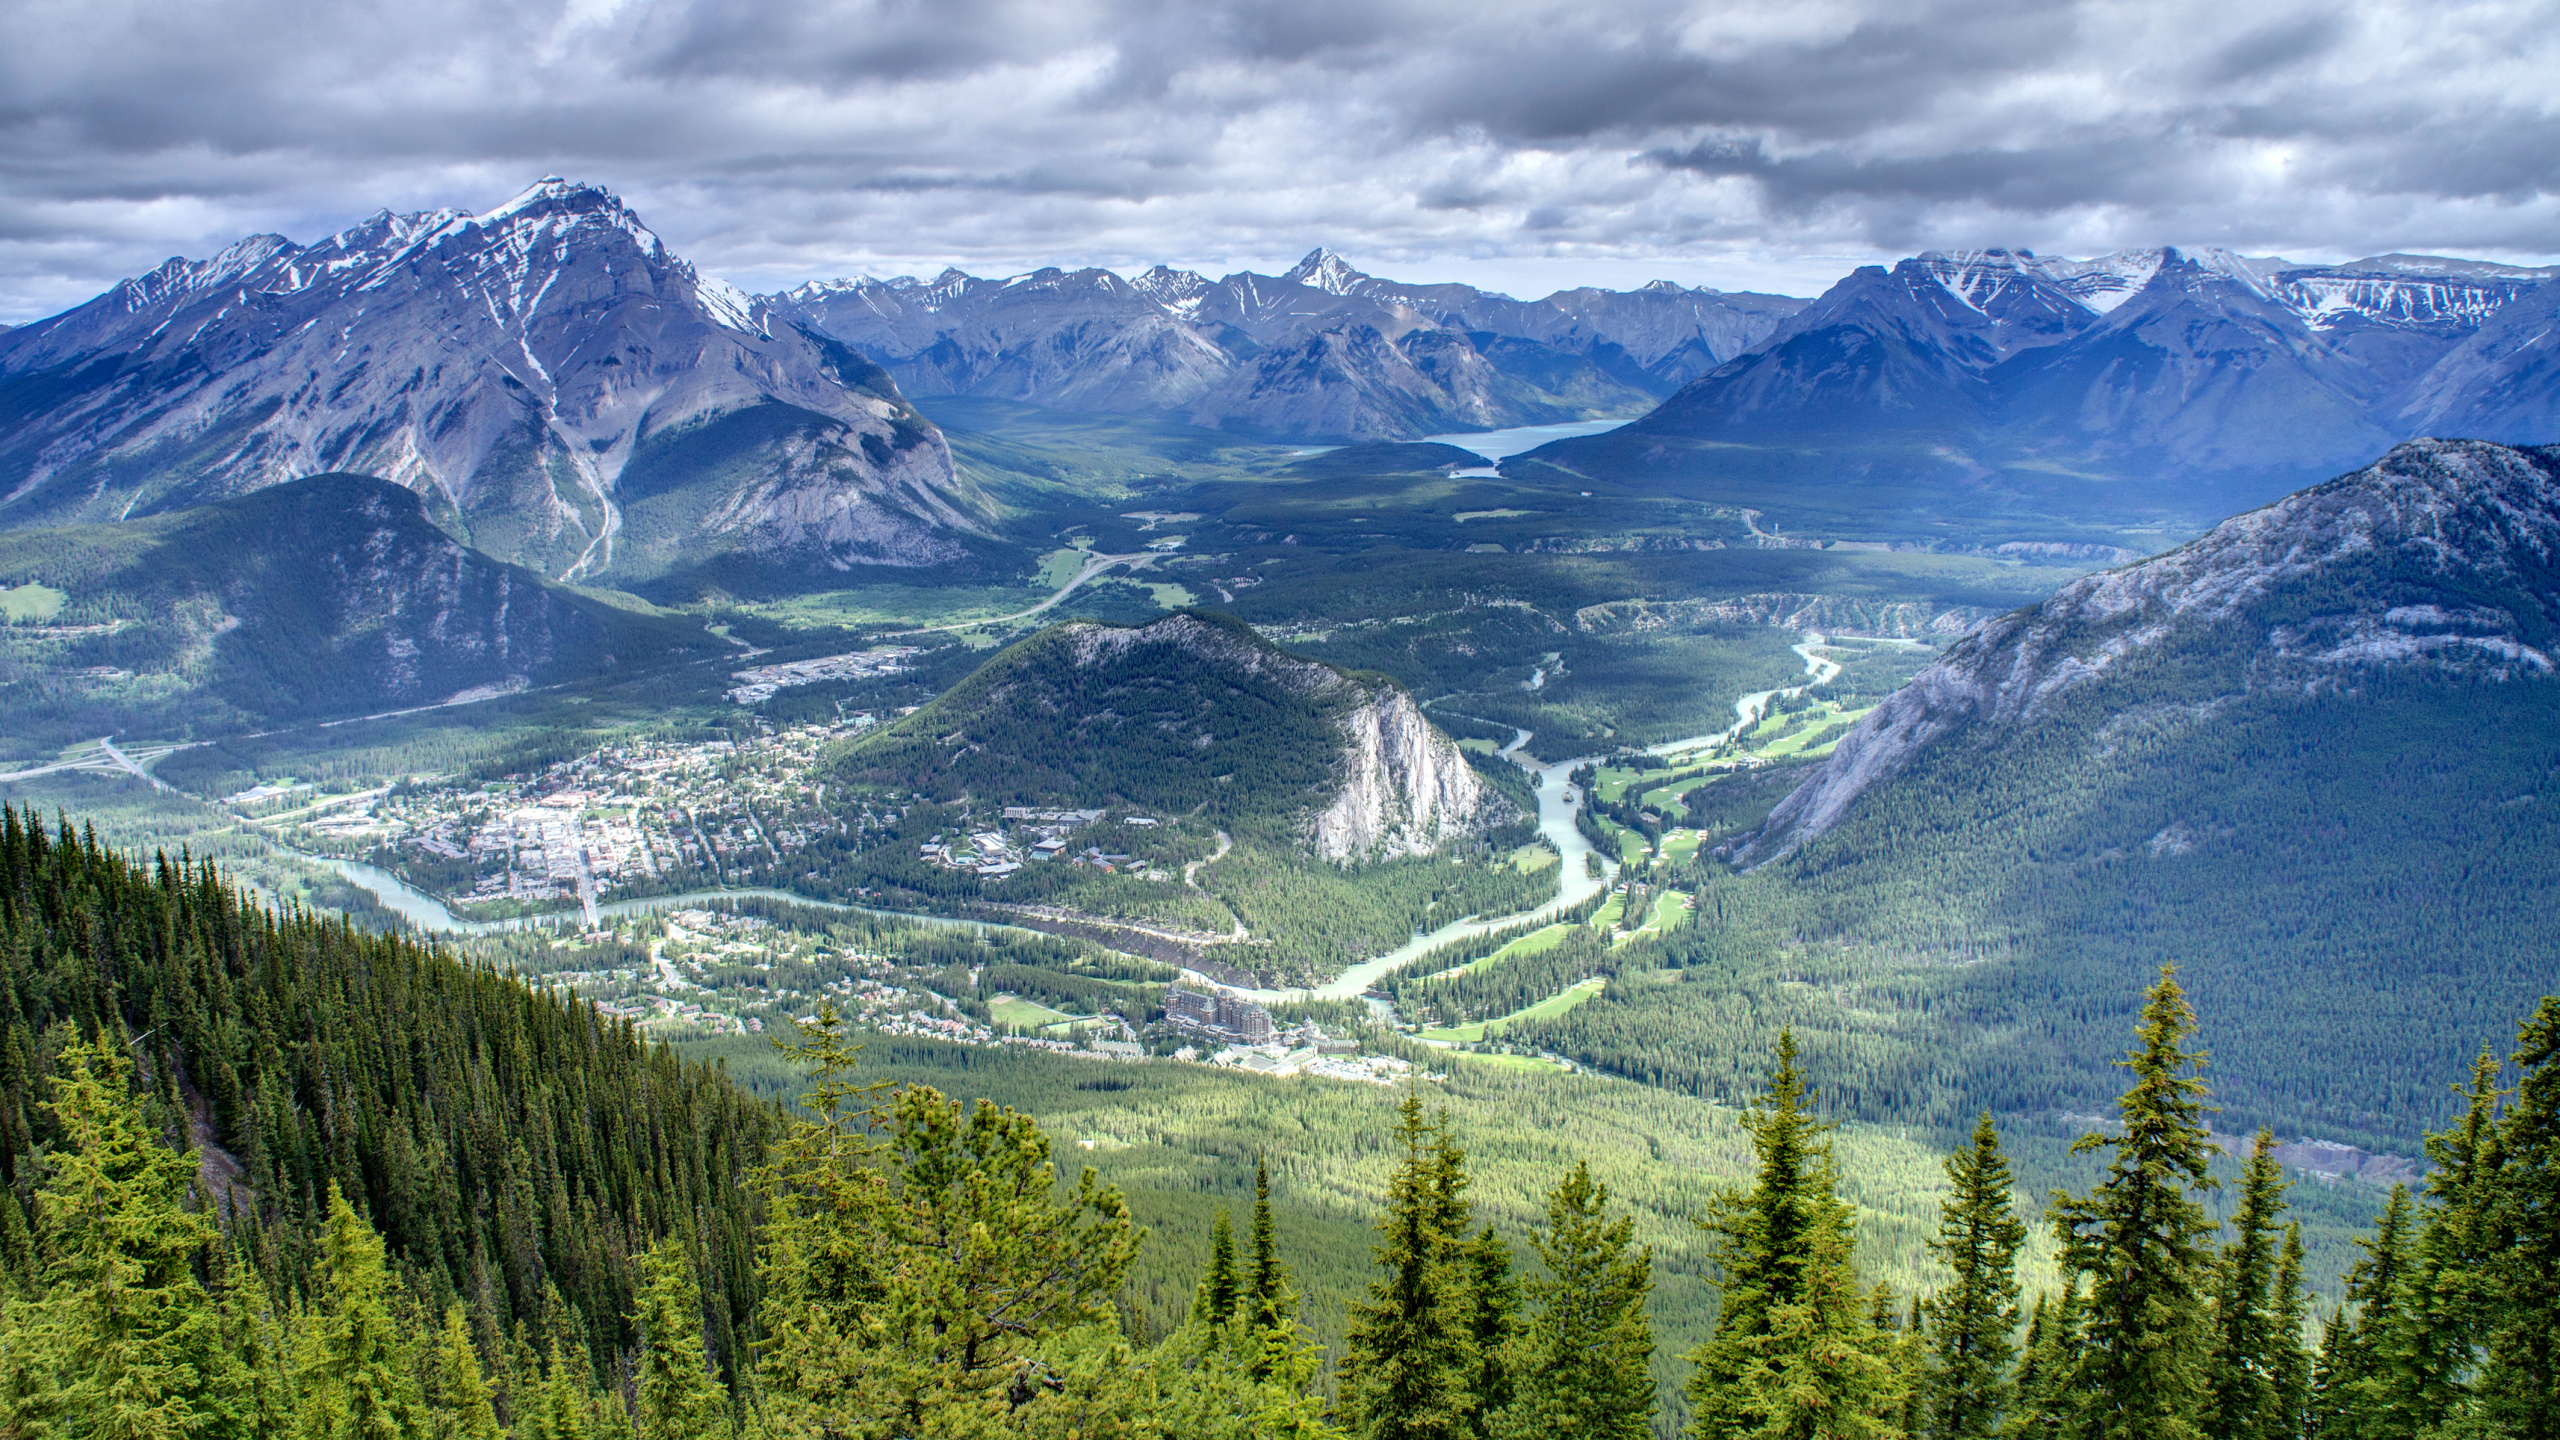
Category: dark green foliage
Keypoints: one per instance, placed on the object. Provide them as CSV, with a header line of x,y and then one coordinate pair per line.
x,y
1967,1389
1582,1365
2245,1366
505,1144
2520,1374
2140,1237
1413,1363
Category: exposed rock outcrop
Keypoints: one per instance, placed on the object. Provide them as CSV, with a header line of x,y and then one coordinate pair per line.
x,y
1405,786
2445,554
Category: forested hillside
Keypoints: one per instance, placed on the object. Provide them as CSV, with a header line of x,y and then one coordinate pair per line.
x,y
2311,758
518,1153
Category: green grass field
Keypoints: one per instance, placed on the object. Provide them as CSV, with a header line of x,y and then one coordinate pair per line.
x,y
1530,859
30,604
1546,1009
1024,1014
1680,846
1667,909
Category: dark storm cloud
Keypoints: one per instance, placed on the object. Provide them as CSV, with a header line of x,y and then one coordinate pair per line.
x,y
1538,143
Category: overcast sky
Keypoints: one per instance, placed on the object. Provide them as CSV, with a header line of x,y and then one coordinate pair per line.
x,y
1521,146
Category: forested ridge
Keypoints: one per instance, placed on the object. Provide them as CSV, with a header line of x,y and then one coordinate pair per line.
x,y
251,1192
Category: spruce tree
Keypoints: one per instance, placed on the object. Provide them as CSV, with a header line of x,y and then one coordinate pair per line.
x,y
680,1399
2520,1374
1409,1366
1213,1302
1584,1366
2047,1405
1270,1303
2140,1236
2240,1370
2359,1397
1495,1305
356,1382
458,1405
123,1340
2289,1403
1793,1342
1967,1387
2427,1357
1819,1369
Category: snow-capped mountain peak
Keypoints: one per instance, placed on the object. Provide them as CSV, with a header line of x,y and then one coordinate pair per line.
x,y
1325,271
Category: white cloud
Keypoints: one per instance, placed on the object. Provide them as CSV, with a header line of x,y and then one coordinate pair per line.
x,y
1528,146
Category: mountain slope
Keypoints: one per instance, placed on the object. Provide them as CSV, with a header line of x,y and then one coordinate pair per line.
x,y
566,393
321,597
2311,757
1322,352
1192,713
2162,385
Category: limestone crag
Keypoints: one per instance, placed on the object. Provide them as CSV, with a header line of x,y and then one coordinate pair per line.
x,y
1405,786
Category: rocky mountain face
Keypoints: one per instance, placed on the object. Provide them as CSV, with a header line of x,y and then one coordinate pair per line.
x,y
2442,561
1190,712
1323,352
2214,380
561,389
326,596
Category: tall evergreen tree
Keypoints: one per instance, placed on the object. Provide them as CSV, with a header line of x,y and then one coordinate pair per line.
x,y
1271,1304
1494,1296
2289,1403
357,1382
2240,1369
1585,1363
1793,1343
124,1341
1214,1301
2140,1236
2047,1403
459,1405
2520,1374
680,1399
1967,1387
2358,1397
1410,1365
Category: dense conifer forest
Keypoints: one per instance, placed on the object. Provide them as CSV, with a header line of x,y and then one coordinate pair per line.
x,y
269,1175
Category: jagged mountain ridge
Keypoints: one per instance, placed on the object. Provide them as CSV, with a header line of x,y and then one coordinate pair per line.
x,y
2210,380
1321,352
1187,712
564,390
327,596
2444,557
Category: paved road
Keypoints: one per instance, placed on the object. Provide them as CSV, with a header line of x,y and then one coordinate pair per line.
x,y
1144,559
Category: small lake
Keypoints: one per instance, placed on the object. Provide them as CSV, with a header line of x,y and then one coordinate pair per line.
x,y
1519,439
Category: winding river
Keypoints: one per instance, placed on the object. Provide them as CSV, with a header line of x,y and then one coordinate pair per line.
x,y
1558,802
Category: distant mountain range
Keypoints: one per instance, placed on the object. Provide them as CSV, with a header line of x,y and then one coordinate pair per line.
x,y
569,395
1323,352
563,391
2148,383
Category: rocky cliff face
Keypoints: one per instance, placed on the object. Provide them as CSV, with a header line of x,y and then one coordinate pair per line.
x,y
1405,786
1322,352
2444,556
538,373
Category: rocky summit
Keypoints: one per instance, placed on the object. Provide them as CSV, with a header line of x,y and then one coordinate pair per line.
x,y
1323,352
563,390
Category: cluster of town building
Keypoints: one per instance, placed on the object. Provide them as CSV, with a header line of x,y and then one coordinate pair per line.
x,y
762,682
1033,834
727,809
